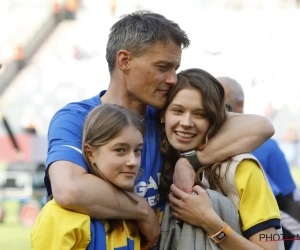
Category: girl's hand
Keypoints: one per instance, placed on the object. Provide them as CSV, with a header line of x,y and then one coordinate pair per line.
x,y
191,208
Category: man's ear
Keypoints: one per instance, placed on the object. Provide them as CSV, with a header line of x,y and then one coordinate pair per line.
x,y
123,59
89,152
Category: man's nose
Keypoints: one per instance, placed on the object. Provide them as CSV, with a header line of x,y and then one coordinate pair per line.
x,y
172,78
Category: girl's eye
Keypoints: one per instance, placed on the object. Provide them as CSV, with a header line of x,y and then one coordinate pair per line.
x,y
202,115
177,111
120,150
138,151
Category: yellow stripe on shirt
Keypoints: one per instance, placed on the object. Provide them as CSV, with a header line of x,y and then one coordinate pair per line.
x,y
257,202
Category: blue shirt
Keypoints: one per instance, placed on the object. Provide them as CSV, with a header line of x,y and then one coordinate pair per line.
x,y
65,138
276,167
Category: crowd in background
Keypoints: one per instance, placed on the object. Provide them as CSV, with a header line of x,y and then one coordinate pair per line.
x,y
255,42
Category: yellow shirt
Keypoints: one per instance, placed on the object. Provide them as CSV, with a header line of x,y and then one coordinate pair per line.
x,y
257,201
57,228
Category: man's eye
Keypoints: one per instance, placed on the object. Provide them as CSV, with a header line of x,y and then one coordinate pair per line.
x,y
162,68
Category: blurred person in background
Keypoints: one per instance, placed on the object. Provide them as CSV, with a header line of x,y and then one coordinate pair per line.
x,y
113,6
143,53
291,136
275,165
71,7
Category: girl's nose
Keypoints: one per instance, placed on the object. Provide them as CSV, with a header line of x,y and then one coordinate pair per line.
x,y
186,121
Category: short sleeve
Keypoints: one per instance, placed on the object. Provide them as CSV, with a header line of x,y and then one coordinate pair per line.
x,y
65,138
58,228
64,141
258,208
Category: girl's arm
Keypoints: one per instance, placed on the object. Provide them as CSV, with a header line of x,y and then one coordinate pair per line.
x,y
197,210
236,241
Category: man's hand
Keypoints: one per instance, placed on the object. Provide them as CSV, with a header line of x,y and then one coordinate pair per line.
x,y
184,175
150,229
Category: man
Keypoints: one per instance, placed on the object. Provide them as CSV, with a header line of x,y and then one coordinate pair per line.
x,y
274,163
143,53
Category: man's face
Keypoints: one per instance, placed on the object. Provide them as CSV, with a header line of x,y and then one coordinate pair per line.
x,y
151,75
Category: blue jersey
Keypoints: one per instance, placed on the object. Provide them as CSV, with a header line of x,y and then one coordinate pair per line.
x,y
276,167
65,138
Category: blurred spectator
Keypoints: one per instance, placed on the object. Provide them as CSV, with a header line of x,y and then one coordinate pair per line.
x,y
275,165
270,111
291,136
71,7
113,6
30,129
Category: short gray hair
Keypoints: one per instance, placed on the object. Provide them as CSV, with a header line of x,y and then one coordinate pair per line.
x,y
235,88
138,31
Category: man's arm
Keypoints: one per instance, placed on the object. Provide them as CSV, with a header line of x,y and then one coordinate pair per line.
x,y
73,188
71,185
241,133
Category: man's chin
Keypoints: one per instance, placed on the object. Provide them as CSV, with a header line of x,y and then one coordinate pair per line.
x,y
158,105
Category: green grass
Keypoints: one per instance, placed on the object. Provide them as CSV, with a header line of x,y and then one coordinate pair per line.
x,y
13,235
2,166
296,175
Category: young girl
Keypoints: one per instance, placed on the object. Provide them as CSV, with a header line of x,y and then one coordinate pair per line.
x,y
195,111
112,144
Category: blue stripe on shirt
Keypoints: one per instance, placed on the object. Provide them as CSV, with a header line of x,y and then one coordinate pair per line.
x,y
262,226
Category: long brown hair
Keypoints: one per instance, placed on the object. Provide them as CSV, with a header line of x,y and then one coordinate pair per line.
x,y
214,105
101,126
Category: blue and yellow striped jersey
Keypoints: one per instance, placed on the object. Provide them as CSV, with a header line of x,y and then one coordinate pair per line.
x,y
58,228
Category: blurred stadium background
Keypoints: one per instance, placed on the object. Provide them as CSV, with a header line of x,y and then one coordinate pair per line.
x,y
53,52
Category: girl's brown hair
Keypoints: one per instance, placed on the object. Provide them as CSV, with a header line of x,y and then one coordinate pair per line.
x,y
214,105
103,124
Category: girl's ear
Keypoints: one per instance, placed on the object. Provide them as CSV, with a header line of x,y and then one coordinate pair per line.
x,y
89,152
162,118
